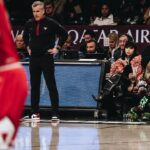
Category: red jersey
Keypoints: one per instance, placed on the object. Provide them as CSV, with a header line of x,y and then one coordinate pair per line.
x,y
8,53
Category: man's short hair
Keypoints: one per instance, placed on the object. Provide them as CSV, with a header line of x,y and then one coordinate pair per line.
x,y
90,32
113,36
48,2
90,41
127,35
37,3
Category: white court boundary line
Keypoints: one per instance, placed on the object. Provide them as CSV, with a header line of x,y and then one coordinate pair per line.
x,y
86,122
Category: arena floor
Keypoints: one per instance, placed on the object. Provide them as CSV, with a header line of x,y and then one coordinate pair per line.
x,y
82,135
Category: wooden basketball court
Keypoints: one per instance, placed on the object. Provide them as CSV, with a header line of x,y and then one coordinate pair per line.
x,y
82,135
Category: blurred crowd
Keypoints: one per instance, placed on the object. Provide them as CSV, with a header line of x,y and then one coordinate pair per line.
x,y
85,12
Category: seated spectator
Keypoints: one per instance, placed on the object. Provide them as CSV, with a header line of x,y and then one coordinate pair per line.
x,y
114,88
142,109
145,56
113,45
118,53
129,12
106,17
73,12
93,48
147,16
92,11
68,51
88,35
129,61
109,50
21,49
50,12
139,88
123,38
142,6
133,70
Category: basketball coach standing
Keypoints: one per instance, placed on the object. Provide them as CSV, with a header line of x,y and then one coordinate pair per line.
x,y
40,36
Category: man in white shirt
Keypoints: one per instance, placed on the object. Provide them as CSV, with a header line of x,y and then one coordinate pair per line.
x,y
106,17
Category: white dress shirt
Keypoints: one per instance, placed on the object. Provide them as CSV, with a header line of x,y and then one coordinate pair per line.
x,y
104,21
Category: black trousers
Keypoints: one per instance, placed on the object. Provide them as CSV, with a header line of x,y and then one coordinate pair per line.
x,y
38,65
109,105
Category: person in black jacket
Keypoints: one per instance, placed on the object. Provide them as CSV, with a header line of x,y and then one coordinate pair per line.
x,y
40,35
50,12
123,38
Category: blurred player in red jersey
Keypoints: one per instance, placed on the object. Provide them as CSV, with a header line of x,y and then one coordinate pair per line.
x,y
13,84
